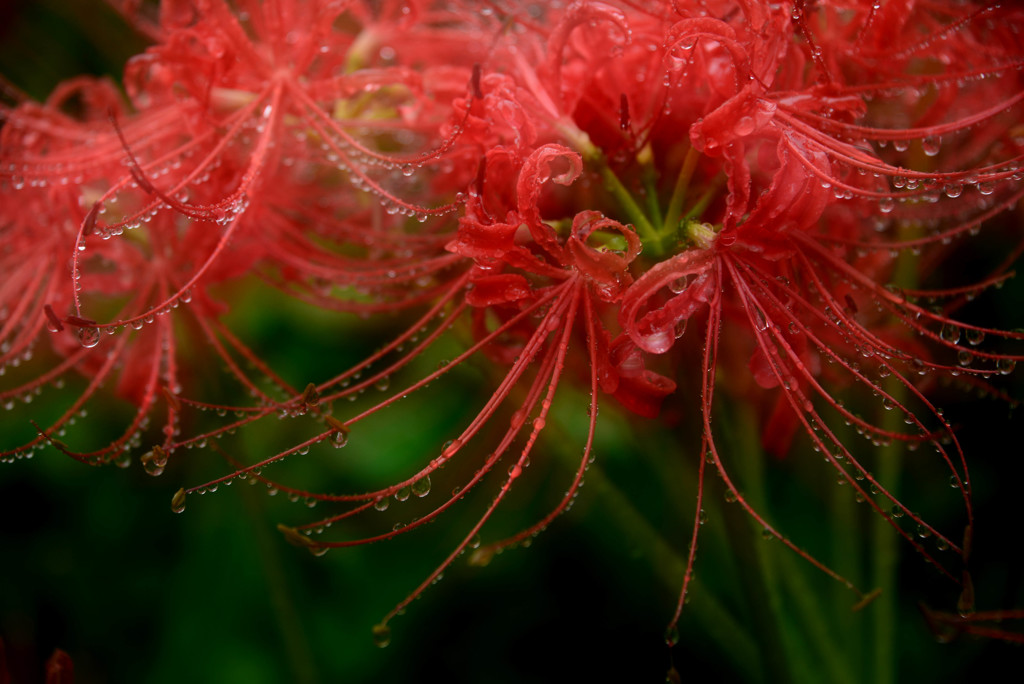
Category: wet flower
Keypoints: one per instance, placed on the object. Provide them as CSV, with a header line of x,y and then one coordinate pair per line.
x,y
731,205
217,168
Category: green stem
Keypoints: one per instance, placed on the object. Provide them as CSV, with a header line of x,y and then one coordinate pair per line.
x,y
885,540
884,563
715,620
789,643
848,536
838,662
758,571
624,197
296,646
705,199
675,204
649,181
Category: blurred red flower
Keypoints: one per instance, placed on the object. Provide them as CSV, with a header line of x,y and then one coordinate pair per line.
x,y
645,199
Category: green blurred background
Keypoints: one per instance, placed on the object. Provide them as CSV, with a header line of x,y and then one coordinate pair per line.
x,y
93,561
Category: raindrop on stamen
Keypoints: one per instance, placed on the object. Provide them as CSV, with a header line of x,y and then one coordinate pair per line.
x,y
89,337
310,396
178,500
339,437
421,487
53,323
381,635
155,461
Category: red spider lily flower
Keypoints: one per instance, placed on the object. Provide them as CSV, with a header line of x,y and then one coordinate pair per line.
x,y
770,231
60,669
236,132
620,187
989,624
786,267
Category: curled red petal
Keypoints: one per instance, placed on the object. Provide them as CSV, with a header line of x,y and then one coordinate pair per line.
x,y
606,269
60,669
643,394
740,116
538,169
638,389
651,321
496,289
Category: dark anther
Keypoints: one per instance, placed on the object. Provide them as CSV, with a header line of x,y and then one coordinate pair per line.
x,y
54,321
475,82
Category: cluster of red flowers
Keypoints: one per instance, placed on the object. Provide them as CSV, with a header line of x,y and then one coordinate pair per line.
x,y
591,191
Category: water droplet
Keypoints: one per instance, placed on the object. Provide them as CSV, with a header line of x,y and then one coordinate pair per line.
x,y
760,322
975,337
481,557
310,396
339,437
1005,366
154,461
381,635
178,500
658,342
931,145
950,333
421,487
89,337
403,494
672,635
679,284
745,126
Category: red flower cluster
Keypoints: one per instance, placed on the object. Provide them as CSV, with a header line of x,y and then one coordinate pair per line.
x,y
598,191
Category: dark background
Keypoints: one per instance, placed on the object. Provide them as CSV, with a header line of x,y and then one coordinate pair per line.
x,y
93,561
